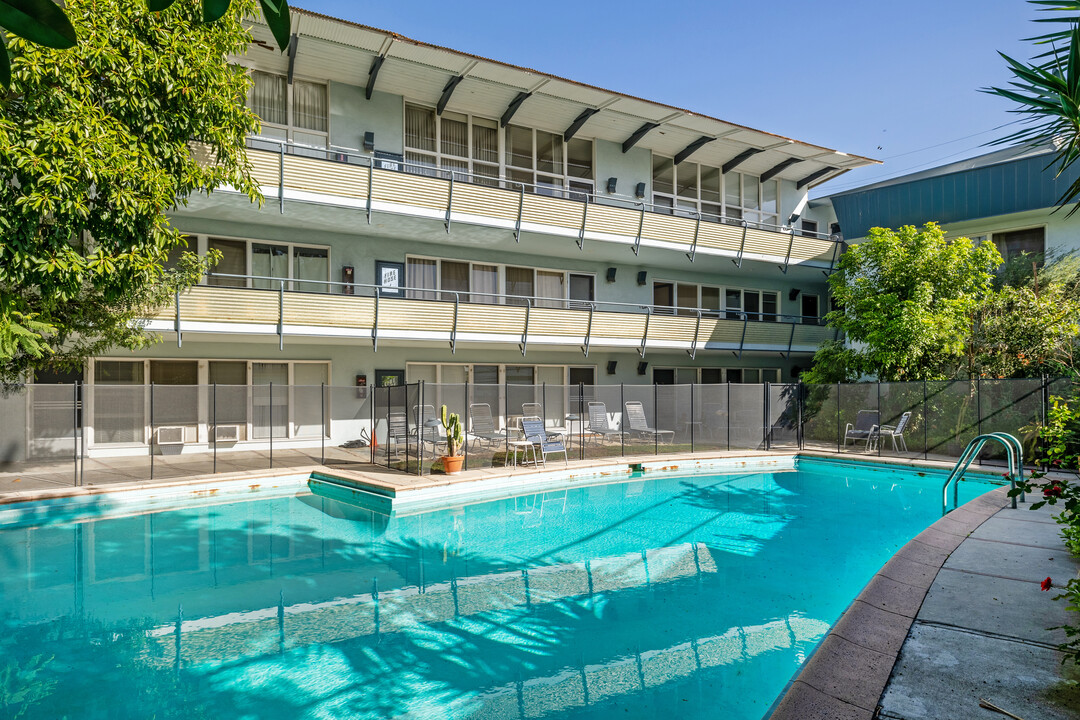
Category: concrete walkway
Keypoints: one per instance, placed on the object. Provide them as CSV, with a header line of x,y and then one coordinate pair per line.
x,y
982,631
955,617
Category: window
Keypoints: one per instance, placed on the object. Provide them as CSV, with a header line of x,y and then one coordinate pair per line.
x,y
270,263
298,112
1015,243
690,188
756,305
811,308
687,298
809,227
484,283
470,145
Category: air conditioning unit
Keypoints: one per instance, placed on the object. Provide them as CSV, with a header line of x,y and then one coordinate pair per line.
x,y
170,435
227,433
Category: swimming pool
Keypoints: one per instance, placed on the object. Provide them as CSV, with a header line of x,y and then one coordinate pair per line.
x,y
673,595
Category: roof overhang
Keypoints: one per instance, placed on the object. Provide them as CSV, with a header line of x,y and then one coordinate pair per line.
x,y
346,52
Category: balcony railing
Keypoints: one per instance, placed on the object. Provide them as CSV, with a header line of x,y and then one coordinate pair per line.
x,y
425,315
351,179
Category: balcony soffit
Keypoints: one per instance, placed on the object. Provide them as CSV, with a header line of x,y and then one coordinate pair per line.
x,y
339,50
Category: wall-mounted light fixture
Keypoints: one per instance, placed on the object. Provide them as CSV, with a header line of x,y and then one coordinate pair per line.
x,y
639,191
611,274
641,367
611,366
611,183
642,274
369,141
793,219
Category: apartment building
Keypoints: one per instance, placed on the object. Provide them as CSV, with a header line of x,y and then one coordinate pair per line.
x,y
436,216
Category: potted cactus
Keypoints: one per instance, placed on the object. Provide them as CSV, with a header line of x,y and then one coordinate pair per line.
x,y
455,440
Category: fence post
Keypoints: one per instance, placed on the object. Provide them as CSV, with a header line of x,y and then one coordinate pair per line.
x,y
465,429
978,412
765,415
925,423
74,430
838,433
420,429
213,412
270,414
622,419
151,430
322,418
655,410
389,394
799,434
692,385
506,417
880,418
729,413
371,440
82,433
581,420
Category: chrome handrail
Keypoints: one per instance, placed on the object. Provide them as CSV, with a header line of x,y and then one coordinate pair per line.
x,y
1014,453
501,182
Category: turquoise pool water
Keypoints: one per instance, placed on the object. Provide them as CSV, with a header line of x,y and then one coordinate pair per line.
x,y
674,597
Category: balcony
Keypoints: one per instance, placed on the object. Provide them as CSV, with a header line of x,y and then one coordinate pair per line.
x,y
367,312
374,185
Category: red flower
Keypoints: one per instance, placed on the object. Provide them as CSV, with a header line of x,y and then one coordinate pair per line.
x,y
1005,475
1047,584
1053,490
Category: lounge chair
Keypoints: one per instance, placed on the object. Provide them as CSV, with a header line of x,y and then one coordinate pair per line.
x,y
896,432
397,434
598,421
865,429
483,426
533,429
639,425
434,435
536,410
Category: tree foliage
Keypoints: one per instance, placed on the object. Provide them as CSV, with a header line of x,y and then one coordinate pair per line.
x,y
1046,92
905,300
44,22
97,144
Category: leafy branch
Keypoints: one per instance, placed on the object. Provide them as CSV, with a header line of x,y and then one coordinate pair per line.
x,y
45,23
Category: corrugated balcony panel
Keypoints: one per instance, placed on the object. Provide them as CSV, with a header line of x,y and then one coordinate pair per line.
x,y
492,319
409,189
811,248
721,236
621,326
813,334
672,328
719,331
322,310
331,178
668,228
551,211
613,220
554,321
767,333
485,201
418,315
228,305
265,168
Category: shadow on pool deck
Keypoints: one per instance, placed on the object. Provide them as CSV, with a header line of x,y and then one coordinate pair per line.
x,y
956,616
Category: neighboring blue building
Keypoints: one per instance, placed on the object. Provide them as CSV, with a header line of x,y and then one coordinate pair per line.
x,y
1007,196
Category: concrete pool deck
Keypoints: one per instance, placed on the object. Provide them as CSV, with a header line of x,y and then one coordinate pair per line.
x,y
955,616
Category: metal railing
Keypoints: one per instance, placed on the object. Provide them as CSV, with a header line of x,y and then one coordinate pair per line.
x,y
352,156
784,340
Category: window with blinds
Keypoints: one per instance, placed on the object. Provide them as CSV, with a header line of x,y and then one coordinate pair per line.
x,y
688,189
298,113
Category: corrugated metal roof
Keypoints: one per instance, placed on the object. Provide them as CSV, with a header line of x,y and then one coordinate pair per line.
x,y
999,183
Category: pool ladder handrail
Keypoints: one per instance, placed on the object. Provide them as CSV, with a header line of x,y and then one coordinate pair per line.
x,y
1014,451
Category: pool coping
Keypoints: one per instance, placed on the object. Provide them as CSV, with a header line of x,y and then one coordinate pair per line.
x,y
846,675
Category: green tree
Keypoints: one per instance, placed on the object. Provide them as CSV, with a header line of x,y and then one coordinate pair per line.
x,y
97,144
44,22
906,299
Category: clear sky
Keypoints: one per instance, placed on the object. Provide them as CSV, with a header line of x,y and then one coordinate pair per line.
x,y
887,80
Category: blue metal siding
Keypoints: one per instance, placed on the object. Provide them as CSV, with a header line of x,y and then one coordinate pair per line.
x,y
1008,187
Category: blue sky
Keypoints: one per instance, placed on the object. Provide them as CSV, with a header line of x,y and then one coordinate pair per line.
x,y
886,80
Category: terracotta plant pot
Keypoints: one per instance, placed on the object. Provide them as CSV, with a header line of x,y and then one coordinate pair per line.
x,y
452,463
